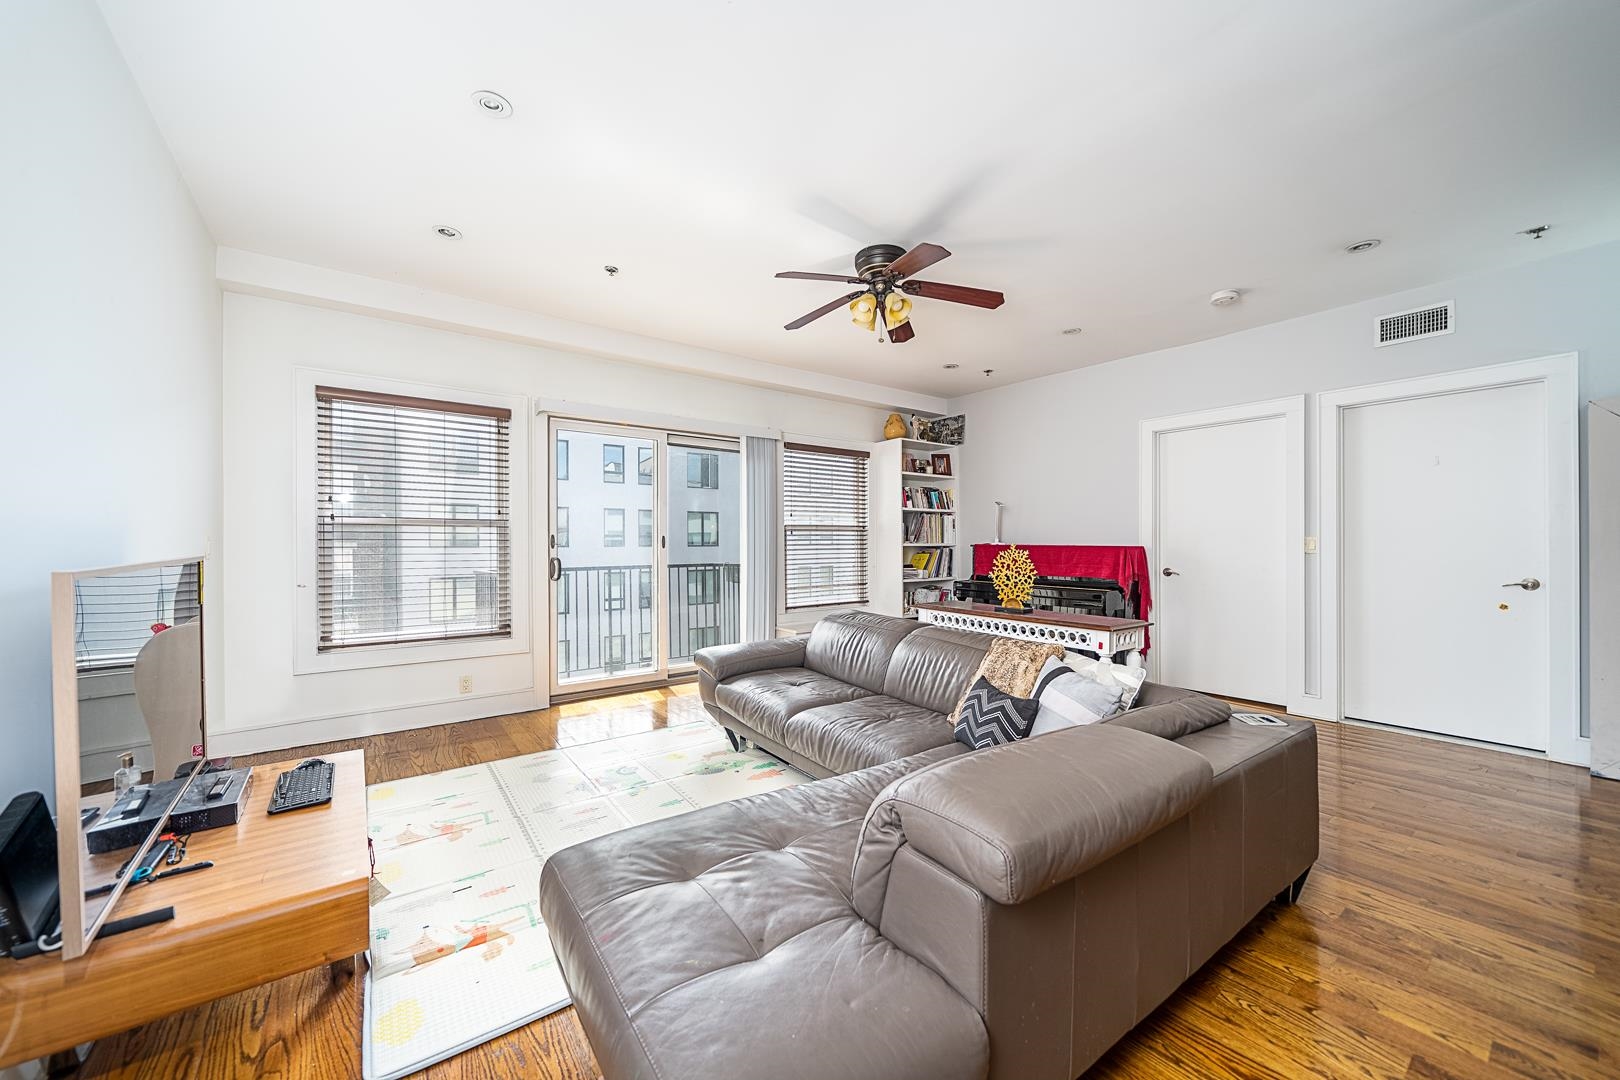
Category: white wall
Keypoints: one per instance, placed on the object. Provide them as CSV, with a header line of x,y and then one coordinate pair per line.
x,y
267,706
1061,451
109,345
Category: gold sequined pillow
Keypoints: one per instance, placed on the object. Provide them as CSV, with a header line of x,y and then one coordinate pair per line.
x,y
1011,666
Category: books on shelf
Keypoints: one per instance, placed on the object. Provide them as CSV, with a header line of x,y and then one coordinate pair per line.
x,y
932,563
930,529
926,498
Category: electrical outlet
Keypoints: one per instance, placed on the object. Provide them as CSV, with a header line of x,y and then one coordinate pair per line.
x,y
466,684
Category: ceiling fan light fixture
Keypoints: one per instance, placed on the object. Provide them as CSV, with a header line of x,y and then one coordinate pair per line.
x,y
863,311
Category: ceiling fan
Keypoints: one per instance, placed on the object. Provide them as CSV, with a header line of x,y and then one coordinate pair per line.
x,y
884,273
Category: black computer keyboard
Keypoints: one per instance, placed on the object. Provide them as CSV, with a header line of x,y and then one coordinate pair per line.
x,y
310,784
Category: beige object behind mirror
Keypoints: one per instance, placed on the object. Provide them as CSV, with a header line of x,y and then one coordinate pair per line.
x,y
127,683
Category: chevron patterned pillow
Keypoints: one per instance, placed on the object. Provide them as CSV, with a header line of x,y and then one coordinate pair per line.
x,y
989,717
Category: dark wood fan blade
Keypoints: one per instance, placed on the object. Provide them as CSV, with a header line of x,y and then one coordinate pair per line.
x,y
805,275
806,320
902,333
918,258
956,294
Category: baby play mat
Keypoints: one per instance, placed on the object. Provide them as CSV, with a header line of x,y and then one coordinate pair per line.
x,y
458,952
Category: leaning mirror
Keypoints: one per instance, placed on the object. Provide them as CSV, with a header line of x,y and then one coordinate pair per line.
x,y
127,681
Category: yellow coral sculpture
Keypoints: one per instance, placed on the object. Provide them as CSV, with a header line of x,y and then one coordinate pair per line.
x,y
1013,575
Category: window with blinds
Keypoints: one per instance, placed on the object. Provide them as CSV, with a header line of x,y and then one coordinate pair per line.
x,y
413,519
824,523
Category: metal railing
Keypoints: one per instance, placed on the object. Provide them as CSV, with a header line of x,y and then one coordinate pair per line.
x,y
604,620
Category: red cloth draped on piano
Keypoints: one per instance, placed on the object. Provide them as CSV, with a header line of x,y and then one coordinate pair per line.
x,y
1125,564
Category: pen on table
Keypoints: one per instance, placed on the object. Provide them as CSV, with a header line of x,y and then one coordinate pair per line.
x,y
103,890
186,869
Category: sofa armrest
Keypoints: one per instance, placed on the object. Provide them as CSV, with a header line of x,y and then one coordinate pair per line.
x,y
1171,712
1015,820
722,662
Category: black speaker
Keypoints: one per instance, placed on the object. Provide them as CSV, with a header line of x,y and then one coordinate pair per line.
x,y
28,881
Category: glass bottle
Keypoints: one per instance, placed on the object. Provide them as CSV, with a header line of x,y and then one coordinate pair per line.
x,y
126,777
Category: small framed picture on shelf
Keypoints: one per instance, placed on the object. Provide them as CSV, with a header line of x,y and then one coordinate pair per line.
x,y
941,464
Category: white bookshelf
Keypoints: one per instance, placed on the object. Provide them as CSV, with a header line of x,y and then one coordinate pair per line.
x,y
889,549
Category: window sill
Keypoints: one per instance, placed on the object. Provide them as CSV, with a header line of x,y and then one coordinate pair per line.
x,y
800,620
363,657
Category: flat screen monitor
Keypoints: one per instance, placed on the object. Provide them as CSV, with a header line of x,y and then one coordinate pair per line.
x,y
127,681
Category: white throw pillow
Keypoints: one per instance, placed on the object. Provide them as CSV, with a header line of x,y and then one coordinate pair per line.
x,y
1078,690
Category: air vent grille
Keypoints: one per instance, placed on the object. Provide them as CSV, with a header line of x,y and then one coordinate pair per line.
x,y
1417,323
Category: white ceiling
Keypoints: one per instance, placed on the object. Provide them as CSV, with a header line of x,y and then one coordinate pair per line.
x,y
1106,165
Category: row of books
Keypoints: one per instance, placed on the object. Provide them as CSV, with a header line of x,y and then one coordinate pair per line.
x,y
934,562
930,529
927,498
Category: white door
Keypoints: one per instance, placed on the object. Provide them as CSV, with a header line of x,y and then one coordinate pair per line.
x,y
1220,602
1444,505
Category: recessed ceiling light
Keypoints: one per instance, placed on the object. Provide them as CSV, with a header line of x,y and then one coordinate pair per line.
x,y
1362,245
1225,297
950,367
448,233
491,104
1073,330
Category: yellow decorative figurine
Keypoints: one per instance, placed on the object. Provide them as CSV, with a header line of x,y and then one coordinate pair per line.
x,y
1013,575
895,427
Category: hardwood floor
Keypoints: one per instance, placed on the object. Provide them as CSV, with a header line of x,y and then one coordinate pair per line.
x,y
1463,923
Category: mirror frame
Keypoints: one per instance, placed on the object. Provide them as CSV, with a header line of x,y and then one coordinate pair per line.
x,y
76,933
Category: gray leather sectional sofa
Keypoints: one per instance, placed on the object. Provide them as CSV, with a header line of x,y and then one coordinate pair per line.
x,y
926,911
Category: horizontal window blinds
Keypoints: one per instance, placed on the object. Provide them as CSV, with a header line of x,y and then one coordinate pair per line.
x,y
115,615
413,519
824,519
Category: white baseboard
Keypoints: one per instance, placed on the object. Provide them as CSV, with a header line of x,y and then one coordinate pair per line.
x,y
267,737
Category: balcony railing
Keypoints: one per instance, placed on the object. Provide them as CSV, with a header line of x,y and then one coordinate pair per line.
x,y
604,618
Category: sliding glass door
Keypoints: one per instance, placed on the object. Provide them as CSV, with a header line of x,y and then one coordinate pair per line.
x,y
645,552
705,545
605,558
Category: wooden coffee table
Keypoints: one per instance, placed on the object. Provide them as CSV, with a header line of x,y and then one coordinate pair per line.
x,y
285,894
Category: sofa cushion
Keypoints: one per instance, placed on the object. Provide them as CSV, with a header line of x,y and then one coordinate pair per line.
x,y
869,731
729,926
765,700
932,667
855,647
989,717
1011,666
1077,690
